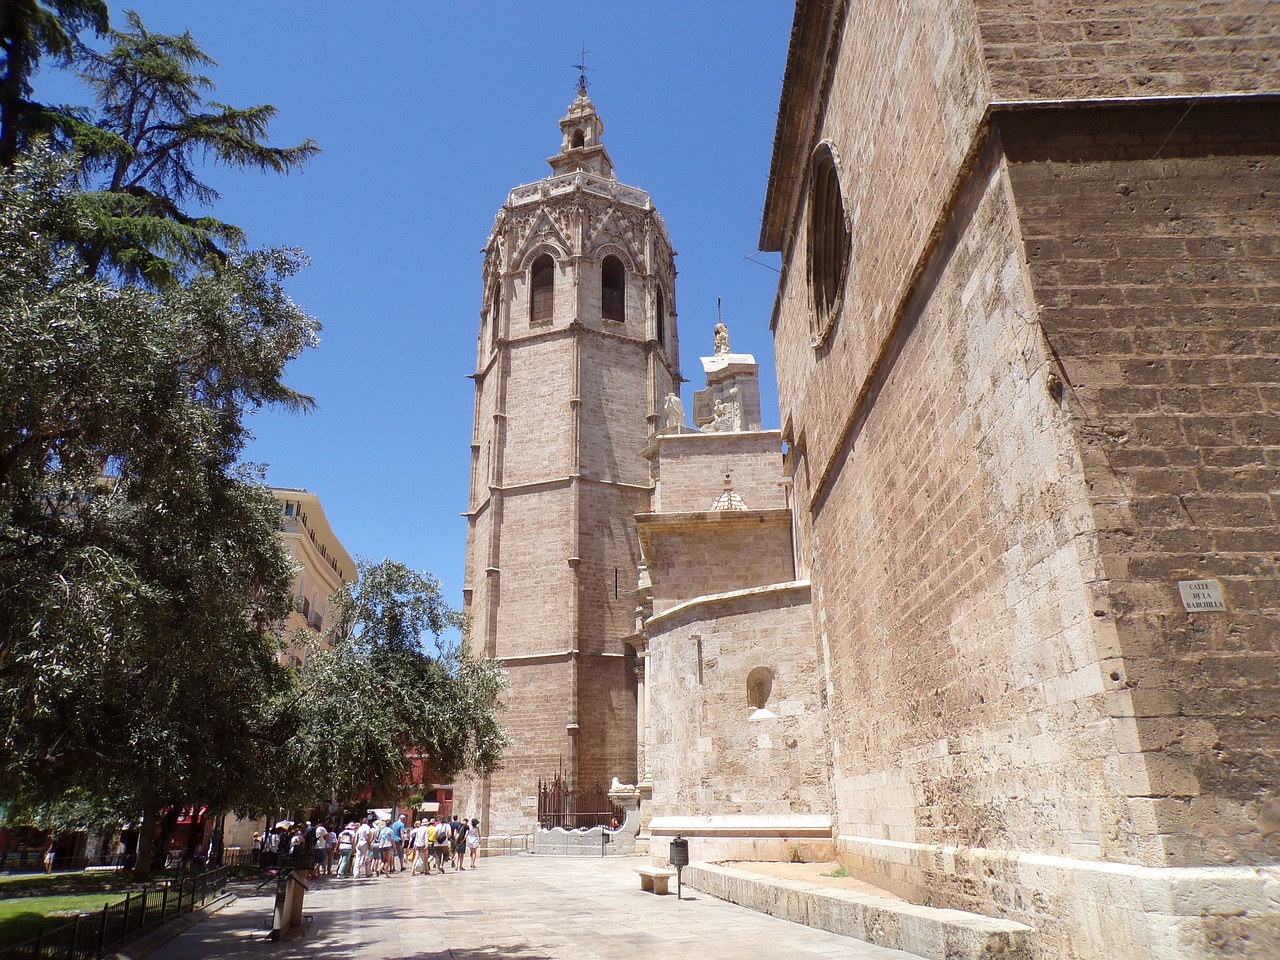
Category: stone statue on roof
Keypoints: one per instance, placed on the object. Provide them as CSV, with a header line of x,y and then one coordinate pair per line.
x,y
722,337
675,413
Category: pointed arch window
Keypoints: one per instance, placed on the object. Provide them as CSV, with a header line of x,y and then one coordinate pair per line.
x,y
494,313
579,138
829,242
613,290
542,289
661,319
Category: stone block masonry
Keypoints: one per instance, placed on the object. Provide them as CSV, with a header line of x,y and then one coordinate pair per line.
x,y
1153,243
1044,399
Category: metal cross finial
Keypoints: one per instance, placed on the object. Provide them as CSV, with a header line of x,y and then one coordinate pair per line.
x,y
582,68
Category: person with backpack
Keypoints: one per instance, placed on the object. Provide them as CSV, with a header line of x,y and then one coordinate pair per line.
x,y
440,844
458,840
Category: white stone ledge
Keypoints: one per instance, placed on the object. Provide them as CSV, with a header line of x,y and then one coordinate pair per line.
x,y
1146,892
720,599
738,825
886,920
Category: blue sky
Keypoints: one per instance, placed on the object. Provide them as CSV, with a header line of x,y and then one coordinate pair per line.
x,y
428,114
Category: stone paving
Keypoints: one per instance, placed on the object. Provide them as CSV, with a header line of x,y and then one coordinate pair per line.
x,y
524,907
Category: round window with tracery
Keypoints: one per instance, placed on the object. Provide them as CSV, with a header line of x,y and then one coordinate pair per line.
x,y
829,242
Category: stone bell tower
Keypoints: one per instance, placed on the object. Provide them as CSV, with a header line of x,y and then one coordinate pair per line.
x,y
576,353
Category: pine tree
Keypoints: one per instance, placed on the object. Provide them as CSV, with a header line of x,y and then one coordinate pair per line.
x,y
30,29
151,96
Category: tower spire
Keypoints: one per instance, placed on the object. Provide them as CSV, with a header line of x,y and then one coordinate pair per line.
x,y
581,132
582,68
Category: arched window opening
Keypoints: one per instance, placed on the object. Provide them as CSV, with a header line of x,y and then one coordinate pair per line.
x,y
494,314
829,241
661,319
579,138
759,689
613,290
542,284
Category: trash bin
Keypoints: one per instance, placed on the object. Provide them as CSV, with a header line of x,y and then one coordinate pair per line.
x,y
678,857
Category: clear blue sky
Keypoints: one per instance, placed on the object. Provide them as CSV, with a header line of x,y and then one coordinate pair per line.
x,y
428,113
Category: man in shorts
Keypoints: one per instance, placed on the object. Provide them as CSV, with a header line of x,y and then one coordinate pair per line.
x,y
398,831
443,849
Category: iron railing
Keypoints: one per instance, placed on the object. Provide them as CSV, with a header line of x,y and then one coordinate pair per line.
x,y
92,935
561,806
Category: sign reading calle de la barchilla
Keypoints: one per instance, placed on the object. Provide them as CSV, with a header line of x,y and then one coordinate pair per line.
x,y
1199,596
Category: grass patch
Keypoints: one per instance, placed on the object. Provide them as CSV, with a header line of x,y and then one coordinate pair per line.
x,y
837,872
22,917
40,885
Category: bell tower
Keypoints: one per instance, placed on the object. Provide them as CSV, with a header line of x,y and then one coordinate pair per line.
x,y
577,351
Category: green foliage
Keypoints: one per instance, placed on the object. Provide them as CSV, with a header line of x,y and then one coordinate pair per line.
x,y
393,686
157,126
29,29
141,579
140,574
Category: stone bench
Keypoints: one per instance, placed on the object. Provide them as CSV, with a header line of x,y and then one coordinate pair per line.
x,y
654,879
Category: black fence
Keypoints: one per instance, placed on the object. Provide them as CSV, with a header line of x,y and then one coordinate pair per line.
x,y
560,806
89,936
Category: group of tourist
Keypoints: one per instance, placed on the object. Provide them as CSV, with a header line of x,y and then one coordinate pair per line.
x,y
374,847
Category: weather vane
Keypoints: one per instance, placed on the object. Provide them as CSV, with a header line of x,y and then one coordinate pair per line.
x,y
582,69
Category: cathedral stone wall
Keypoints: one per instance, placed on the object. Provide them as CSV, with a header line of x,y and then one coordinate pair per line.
x,y
1043,397
1055,49
691,555
535,580
537,433
955,614
614,393
535,716
694,467
1158,280
714,759
901,117
607,708
609,564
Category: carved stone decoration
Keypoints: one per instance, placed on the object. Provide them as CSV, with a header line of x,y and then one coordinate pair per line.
x,y
722,337
728,499
674,410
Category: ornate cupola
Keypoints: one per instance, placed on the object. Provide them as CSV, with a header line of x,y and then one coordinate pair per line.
x,y
580,147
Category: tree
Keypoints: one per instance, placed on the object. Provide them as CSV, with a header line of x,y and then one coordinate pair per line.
x,y
392,685
151,97
140,574
29,29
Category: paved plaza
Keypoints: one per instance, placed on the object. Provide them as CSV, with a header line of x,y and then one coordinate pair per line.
x,y
532,908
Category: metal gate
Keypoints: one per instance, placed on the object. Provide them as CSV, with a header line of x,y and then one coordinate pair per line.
x,y
561,806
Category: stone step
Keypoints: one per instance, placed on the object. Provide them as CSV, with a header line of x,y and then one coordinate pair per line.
x,y
886,921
